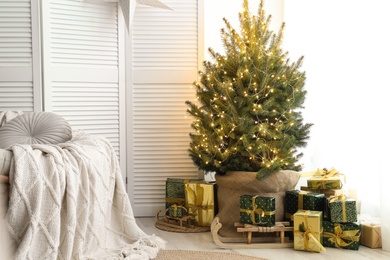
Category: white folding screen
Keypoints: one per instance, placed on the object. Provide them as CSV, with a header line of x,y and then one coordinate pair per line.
x,y
83,56
68,57
19,56
166,54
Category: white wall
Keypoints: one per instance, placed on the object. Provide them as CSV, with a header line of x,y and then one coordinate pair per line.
x,y
346,49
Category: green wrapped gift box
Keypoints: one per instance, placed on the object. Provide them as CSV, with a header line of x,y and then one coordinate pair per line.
x,y
342,209
257,210
305,200
340,235
175,195
176,211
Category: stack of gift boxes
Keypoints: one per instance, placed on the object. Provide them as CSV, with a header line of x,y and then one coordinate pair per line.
x,y
190,197
321,214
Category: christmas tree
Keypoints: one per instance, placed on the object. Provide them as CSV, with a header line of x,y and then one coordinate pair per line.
x,y
249,101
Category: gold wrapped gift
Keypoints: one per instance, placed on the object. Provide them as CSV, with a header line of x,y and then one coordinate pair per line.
x,y
371,235
308,231
324,179
200,202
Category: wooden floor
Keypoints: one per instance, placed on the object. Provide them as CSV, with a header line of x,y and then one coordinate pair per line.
x,y
204,242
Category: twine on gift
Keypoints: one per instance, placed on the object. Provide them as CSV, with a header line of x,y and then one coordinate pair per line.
x,y
339,236
197,198
341,198
307,235
257,210
378,235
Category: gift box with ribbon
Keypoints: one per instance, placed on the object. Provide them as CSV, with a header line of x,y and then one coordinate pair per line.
x,y
371,235
370,228
175,195
257,210
339,235
308,231
176,211
342,209
200,202
305,200
325,179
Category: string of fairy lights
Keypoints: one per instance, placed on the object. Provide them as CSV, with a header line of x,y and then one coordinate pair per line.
x,y
255,84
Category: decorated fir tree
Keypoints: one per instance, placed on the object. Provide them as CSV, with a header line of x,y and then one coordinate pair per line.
x,y
247,114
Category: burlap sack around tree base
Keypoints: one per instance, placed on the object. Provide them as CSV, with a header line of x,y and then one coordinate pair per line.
x,y
234,184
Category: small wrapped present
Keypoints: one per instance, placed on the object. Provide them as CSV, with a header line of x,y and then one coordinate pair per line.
x,y
296,199
200,202
308,231
257,210
371,235
326,192
339,235
175,194
325,179
342,209
176,211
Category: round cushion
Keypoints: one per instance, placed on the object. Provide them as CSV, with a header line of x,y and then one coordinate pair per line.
x,y
35,128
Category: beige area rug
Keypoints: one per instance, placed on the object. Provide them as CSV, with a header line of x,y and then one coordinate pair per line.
x,y
202,255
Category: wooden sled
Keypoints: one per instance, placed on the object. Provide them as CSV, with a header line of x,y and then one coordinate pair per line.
x,y
248,241
176,224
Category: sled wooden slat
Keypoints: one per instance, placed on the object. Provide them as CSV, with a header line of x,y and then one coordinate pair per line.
x,y
248,240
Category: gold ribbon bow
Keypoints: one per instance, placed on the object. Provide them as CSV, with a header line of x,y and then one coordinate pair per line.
x,y
341,198
175,208
307,235
322,172
197,197
256,210
339,236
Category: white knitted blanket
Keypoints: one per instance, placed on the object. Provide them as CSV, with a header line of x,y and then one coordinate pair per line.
x,y
68,201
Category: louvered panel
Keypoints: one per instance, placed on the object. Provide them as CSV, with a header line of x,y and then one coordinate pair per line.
x,y
83,34
165,63
16,96
91,107
166,40
15,33
16,62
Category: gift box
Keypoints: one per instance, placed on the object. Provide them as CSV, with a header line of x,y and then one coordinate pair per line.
x,y
305,200
326,192
176,211
370,235
341,209
308,231
175,195
320,182
200,202
340,235
324,179
257,210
